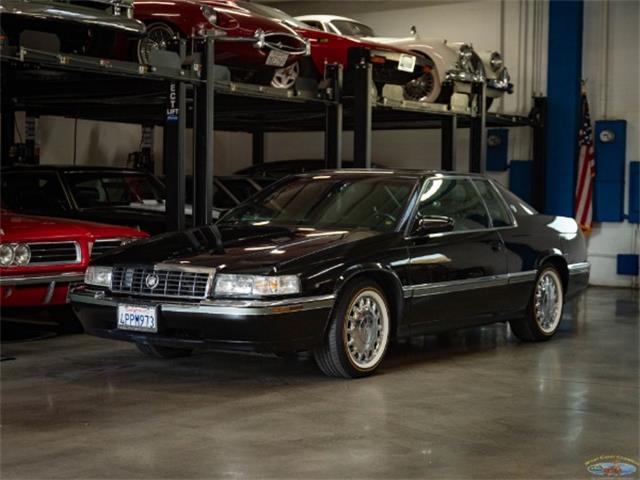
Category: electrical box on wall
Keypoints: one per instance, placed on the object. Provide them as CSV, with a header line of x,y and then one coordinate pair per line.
x,y
634,192
497,149
628,264
610,149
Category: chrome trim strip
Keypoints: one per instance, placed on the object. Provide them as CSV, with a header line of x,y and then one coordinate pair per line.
x,y
580,267
213,307
437,288
41,278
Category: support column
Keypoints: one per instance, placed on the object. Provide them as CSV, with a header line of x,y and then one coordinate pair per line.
x,y
333,119
204,141
539,152
478,131
448,143
257,147
564,73
174,155
362,115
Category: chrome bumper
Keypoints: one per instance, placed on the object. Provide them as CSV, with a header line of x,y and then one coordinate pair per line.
x,y
209,307
463,76
578,268
35,279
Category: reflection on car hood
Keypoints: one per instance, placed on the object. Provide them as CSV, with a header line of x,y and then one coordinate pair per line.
x,y
259,249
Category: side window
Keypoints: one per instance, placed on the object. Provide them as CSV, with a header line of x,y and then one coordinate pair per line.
x,y
495,204
33,192
314,24
455,198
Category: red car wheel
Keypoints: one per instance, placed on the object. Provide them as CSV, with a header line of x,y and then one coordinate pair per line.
x,y
158,37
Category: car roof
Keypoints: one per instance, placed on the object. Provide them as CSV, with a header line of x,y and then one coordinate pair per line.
x,y
326,18
404,173
74,168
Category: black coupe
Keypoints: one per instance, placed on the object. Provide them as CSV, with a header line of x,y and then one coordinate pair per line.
x,y
339,263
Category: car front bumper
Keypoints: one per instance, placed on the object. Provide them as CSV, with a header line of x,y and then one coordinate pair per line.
x,y
37,290
248,325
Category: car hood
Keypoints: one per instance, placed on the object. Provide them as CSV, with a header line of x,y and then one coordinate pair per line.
x,y
255,249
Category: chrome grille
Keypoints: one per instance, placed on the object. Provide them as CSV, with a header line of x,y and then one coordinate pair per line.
x,y
54,253
101,247
171,282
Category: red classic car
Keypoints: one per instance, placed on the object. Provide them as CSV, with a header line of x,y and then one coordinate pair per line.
x,y
40,256
277,63
276,46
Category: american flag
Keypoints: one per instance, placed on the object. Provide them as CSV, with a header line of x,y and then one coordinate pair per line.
x,y
586,170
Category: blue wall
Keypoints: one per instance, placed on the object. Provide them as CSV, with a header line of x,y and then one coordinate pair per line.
x,y
563,91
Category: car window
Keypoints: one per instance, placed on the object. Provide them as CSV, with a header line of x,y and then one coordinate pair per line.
x,y
239,187
100,189
328,201
496,206
33,192
516,204
314,24
455,198
353,29
222,199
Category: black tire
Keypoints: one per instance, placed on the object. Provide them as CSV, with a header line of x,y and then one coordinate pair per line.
x,y
528,328
160,29
334,357
156,351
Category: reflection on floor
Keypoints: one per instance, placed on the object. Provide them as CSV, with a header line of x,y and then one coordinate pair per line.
x,y
473,404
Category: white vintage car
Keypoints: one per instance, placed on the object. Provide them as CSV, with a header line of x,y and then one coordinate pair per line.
x,y
455,65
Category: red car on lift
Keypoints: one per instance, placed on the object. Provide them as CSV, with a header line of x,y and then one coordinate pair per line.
x,y
188,19
41,257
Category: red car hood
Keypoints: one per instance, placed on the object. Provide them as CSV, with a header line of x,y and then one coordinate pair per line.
x,y
15,227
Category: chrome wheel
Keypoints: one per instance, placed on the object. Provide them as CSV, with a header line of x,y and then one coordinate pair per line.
x,y
420,89
366,329
286,77
158,37
548,299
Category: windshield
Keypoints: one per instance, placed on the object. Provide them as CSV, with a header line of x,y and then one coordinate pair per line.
x,y
328,201
104,189
33,192
274,14
353,29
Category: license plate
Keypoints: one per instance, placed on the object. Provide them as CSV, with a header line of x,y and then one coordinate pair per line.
x,y
406,63
137,318
277,59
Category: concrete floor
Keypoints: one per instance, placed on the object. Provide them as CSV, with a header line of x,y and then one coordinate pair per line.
x,y
476,405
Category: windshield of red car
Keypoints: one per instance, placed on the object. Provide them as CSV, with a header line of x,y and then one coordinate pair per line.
x,y
104,189
274,14
328,201
353,29
35,192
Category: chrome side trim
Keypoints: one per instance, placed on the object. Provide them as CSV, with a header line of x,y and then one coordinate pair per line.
x,y
580,267
213,307
34,279
438,288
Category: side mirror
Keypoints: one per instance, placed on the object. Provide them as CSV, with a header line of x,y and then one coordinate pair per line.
x,y
434,224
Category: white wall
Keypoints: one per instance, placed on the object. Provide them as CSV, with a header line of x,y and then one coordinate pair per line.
x,y
617,98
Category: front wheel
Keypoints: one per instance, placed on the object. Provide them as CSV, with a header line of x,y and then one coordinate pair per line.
x,y
544,312
158,37
285,78
358,334
156,351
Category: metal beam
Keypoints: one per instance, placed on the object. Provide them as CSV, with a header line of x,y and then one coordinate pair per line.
x,y
204,142
333,119
174,155
257,147
448,143
478,130
362,113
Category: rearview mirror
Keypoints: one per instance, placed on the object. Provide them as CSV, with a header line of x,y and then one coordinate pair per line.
x,y
434,224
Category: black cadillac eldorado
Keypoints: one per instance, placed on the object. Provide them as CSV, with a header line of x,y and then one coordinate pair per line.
x,y
340,263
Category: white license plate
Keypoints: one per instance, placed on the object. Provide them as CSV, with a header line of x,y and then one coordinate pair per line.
x,y
406,63
277,59
137,318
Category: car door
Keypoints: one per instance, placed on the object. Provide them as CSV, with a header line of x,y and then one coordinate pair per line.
x,y
456,275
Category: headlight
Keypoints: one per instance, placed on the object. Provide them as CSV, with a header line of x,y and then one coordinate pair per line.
x,y
496,61
98,276
6,254
256,285
210,14
21,254
464,55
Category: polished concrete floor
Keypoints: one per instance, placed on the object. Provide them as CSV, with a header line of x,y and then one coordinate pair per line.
x,y
476,404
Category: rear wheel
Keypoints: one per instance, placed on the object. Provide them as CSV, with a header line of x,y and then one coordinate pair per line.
x,y
544,312
427,87
163,352
158,37
285,78
358,334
